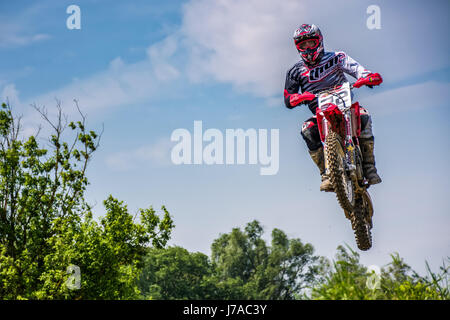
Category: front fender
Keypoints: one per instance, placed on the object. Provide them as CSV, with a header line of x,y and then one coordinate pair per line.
x,y
335,118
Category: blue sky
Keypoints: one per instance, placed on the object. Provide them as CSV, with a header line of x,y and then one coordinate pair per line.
x,y
146,68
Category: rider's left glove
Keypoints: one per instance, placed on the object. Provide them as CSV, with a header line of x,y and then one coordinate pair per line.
x,y
373,79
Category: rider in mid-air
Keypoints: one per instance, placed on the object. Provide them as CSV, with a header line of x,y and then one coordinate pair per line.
x,y
319,70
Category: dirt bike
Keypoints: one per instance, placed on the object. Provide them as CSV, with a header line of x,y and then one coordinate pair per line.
x,y
339,126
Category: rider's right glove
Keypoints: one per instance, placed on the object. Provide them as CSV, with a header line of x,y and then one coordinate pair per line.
x,y
296,98
373,79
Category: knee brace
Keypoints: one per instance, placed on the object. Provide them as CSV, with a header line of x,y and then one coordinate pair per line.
x,y
310,134
366,124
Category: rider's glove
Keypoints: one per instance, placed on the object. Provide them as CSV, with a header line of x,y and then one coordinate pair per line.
x,y
296,98
373,79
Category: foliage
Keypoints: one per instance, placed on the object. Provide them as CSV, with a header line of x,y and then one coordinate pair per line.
x,y
351,280
400,282
242,267
175,273
46,225
279,271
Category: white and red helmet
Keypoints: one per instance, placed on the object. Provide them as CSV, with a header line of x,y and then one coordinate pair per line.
x,y
309,42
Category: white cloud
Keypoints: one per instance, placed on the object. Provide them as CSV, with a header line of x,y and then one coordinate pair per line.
x,y
19,30
109,88
418,96
249,44
12,36
29,122
148,155
10,94
246,43
160,54
116,64
121,84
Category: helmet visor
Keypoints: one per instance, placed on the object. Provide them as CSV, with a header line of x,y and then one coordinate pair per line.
x,y
307,44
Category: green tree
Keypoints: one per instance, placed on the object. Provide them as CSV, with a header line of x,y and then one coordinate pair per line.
x,y
349,279
175,273
400,282
243,260
46,225
242,266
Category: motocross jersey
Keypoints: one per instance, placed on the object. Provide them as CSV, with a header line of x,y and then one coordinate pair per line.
x,y
329,72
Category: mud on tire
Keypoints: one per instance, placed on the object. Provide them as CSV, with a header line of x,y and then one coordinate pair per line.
x,y
361,225
342,184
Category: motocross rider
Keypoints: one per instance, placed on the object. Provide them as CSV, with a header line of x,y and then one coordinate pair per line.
x,y
319,70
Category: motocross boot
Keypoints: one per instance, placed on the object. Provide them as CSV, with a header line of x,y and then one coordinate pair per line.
x,y
319,160
370,172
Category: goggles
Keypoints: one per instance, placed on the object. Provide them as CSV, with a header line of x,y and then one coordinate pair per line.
x,y
307,44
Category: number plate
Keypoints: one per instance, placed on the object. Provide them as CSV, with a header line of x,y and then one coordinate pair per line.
x,y
339,97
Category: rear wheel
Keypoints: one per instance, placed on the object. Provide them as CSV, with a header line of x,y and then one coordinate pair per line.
x,y
342,184
362,222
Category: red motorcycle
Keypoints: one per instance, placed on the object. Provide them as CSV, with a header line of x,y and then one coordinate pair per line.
x,y
339,126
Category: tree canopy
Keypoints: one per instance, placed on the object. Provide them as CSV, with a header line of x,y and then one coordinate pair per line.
x,y
46,226
242,266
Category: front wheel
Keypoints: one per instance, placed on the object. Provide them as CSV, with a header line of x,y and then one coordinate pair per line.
x,y
342,183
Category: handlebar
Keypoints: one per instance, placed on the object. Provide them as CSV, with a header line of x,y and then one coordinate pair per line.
x,y
331,88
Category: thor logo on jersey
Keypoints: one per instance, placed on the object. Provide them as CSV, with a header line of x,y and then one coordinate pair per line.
x,y
319,72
